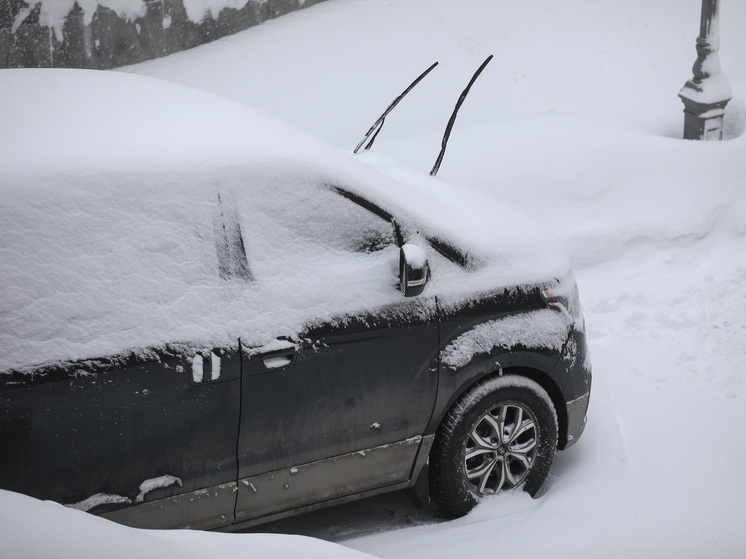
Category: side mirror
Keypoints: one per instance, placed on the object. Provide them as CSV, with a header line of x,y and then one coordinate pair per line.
x,y
413,270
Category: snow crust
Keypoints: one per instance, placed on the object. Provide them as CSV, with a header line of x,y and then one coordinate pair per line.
x,y
414,255
99,499
547,329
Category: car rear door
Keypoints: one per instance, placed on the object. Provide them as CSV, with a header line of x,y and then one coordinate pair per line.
x,y
145,434
149,442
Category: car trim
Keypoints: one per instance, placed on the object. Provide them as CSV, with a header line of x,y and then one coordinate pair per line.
x,y
208,505
323,480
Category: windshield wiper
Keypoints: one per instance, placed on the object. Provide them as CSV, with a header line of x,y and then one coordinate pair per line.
x,y
460,101
378,124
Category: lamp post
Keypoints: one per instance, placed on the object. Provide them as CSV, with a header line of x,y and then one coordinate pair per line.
x,y
708,92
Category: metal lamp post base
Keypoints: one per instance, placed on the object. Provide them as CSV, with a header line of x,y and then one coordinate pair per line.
x,y
708,92
703,121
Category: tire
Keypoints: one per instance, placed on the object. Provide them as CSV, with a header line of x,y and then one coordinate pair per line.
x,y
470,461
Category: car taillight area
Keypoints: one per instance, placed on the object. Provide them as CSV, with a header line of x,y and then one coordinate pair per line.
x,y
564,297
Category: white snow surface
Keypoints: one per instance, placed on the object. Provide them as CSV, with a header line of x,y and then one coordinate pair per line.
x,y
577,122
72,534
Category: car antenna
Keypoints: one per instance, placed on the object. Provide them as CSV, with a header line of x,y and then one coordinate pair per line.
x,y
460,101
378,124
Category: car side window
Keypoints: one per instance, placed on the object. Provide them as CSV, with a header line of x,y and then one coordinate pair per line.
x,y
304,226
314,252
326,218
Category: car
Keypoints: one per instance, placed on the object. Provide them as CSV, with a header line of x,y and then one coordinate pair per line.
x,y
211,320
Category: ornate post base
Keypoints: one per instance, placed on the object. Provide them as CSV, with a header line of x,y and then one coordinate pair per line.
x,y
703,121
708,92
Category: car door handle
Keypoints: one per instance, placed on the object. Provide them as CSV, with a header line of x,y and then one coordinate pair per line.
x,y
278,354
278,359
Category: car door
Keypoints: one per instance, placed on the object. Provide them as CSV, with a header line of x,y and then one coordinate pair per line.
x,y
140,440
143,434
338,405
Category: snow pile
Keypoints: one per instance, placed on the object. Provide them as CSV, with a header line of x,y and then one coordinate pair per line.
x,y
87,122
71,534
156,483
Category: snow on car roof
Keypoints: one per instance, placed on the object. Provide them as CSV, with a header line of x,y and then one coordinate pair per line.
x,y
108,189
87,120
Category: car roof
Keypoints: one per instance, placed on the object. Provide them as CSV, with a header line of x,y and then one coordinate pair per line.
x,y
88,120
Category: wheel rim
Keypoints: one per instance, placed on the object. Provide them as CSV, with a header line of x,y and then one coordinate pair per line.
x,y
501,448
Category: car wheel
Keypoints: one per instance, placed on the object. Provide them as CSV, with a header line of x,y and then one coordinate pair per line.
x,y
501,435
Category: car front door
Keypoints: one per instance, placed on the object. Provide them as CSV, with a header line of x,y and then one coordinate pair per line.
x,y
338,406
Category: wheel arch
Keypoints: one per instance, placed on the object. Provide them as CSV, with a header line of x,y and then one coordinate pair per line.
x,y
530,365
448,464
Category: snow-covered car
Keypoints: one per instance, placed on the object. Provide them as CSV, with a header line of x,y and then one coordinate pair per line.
x,y
209,319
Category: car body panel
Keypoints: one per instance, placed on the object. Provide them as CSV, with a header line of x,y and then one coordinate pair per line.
x,y
106,438
325,480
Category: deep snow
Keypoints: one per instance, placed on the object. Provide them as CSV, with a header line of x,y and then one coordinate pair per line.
x,y
576,122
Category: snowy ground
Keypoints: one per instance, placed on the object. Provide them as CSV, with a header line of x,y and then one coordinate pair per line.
x,y
576,121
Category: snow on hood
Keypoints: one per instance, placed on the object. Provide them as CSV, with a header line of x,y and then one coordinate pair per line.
x,y
107,236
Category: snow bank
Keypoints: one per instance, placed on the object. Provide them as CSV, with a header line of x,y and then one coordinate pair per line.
x,y
71,534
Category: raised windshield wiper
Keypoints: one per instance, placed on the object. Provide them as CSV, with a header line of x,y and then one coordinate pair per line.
x,y
460,101
378,124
